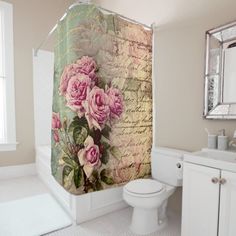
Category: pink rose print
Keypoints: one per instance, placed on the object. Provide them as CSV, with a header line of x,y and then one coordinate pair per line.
x,y
88,66
94,107
97,108
115,99
77,91
56,136
68,73
56,123
89,156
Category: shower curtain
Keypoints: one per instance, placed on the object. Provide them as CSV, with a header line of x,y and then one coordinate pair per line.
x,y
102,101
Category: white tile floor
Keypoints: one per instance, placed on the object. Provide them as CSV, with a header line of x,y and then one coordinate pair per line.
x,y
115,224
14,189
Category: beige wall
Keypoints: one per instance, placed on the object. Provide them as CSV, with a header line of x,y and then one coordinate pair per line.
x,y
180,86
179,66
32,21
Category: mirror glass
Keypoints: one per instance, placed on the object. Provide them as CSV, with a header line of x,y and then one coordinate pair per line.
x,y
229,86
220,73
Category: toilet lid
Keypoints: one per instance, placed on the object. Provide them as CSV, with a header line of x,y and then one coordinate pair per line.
x,y
144,186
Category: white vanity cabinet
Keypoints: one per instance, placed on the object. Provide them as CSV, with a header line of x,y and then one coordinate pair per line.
x,y
227,209
209,201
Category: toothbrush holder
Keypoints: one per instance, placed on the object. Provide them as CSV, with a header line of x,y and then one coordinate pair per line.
x,y
222,142
212,141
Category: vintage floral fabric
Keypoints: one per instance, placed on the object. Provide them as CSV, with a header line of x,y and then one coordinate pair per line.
x,y
102,101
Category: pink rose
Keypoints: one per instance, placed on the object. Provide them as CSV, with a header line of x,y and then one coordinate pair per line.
x,y
88,66
89,156
56,136
77,91
56,123
97,108
68,73
115,99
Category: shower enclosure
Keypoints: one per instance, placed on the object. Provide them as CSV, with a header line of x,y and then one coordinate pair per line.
x,y
81,208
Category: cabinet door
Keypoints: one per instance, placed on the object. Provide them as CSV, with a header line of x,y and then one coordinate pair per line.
x,y
200,201
227,219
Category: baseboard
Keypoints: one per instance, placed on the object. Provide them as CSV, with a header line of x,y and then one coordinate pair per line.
x,y
11,172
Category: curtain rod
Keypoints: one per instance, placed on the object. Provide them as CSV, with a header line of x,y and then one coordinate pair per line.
x,y
84,3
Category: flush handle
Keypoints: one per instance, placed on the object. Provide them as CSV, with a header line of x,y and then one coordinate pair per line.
x,y
214,180
222,181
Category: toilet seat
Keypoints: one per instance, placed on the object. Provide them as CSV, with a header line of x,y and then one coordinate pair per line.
x,y
144,187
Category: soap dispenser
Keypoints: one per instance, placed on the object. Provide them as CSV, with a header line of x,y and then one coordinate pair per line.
x,y
222,140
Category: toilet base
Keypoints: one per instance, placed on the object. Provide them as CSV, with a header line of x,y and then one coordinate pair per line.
x,y
145,221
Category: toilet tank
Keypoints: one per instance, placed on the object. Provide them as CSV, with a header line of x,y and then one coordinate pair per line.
x,y
167,166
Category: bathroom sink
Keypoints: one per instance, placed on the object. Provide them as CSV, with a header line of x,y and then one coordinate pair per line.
x,y
225,160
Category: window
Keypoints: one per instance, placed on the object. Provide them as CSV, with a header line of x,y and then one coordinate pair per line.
x,y
7,92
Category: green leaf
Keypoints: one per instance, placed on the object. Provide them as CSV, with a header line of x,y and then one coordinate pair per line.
x,y
81,121
106,145
65,125
76,118
95,174
104,140
107,180
101,84
105,177
67,170
92,133
67,174
73,124
80,134
106,131
78,177
70,162
105,157
115,152
78,122
98,185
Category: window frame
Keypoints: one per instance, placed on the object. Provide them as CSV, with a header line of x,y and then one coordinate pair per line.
x,y
9,143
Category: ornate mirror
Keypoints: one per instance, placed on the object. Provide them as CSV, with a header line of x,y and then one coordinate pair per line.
x,y
220,73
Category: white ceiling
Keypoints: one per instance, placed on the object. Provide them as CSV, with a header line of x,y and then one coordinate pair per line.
x,y
169,11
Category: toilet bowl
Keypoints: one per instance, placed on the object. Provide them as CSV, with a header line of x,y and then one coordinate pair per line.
x,y
149,197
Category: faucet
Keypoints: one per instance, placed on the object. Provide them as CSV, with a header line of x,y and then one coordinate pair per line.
x,y
222,132
234,134
232,143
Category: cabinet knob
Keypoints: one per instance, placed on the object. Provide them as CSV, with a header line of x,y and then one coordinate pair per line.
x,y
214,180
222,181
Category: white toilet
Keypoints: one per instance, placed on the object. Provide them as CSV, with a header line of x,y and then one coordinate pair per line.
x,y
149,197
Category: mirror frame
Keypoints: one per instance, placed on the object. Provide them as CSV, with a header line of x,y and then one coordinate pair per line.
x,y
214,107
